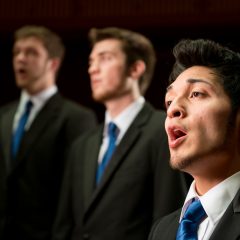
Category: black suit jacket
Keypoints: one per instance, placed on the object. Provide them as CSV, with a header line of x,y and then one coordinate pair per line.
x,y
227,229
137,186
32,180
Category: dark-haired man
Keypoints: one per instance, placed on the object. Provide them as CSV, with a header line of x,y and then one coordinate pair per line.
x,y
203,127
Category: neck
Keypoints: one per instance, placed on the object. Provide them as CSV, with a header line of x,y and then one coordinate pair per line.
x,y
207,181
116,106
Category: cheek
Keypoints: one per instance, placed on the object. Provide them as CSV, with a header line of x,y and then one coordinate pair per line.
x,y
114,77
216,124
35,64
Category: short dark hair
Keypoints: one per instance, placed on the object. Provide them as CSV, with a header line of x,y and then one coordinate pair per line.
x,y
51,41
204,52
134,45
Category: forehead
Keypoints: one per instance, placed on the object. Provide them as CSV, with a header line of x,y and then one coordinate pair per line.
x,y
107,45
196,75
32,42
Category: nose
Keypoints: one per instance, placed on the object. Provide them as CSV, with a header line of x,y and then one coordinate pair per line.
x,y
20,56
93,67
176,110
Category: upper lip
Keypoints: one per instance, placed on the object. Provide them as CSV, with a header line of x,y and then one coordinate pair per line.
x,y
94,78
20,69
95,81
174,132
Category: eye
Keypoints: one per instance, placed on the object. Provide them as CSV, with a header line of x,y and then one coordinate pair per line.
x,y
106,57
196,94
168,103
31,52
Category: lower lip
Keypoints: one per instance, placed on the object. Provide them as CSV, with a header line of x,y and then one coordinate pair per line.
x,y
21,75
95,83
177,142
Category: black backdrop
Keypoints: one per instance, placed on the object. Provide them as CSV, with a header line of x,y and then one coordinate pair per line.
x,y
73,80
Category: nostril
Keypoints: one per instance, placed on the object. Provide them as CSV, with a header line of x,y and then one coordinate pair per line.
x,y
177,114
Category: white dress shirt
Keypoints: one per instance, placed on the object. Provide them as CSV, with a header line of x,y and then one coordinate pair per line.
x,y
215,202
38,101
123,121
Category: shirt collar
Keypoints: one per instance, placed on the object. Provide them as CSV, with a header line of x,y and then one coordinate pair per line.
x,y
125,118
40,97
217,199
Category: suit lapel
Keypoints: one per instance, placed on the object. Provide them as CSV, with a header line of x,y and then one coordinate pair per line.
x,y
166,227
44,118
89,167
173,226
129,140
228,227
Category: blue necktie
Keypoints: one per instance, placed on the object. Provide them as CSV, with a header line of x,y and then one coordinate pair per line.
x,y
112,133
18,134
193,216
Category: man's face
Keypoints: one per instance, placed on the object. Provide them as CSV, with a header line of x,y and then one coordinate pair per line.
x,y
107,70
31,64
197,123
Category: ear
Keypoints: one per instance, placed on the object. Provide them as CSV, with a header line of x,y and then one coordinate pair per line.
x,y
137,69
55,64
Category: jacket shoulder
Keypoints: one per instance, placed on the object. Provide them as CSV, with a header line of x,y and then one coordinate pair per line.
x,y
165,227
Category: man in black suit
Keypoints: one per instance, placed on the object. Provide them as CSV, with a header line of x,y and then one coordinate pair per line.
x,y
137,185
33,168
203,127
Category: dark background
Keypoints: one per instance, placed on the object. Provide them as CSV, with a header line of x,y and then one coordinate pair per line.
x,y
163,22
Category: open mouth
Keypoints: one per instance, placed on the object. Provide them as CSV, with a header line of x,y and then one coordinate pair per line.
x,y
177,133
176,136
21,71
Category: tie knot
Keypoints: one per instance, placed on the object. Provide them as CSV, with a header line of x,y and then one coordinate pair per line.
x,y
193,216
28,106
112,130
195,212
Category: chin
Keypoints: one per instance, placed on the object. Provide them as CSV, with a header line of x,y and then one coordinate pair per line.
x,y
102,97
21,84
97,97
181,163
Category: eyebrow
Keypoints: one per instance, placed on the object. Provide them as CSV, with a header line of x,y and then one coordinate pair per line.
x,y
192,81
102,53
